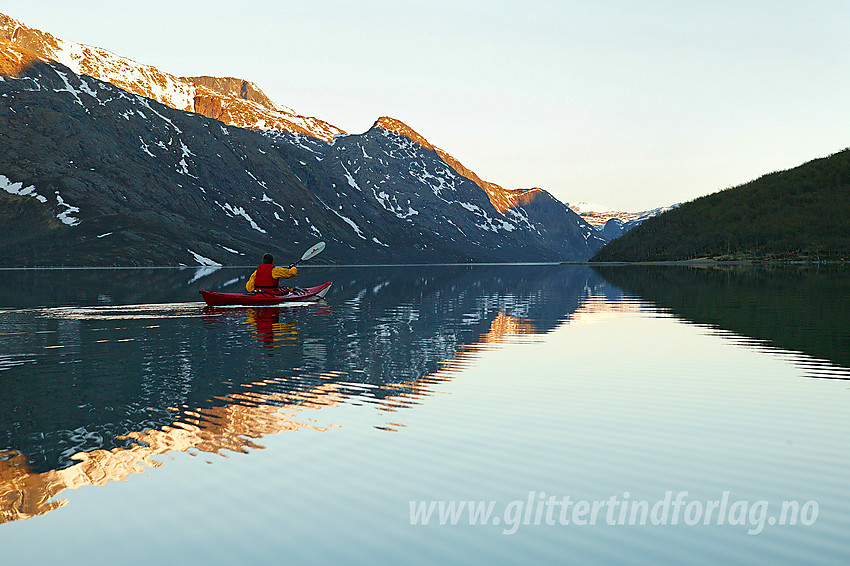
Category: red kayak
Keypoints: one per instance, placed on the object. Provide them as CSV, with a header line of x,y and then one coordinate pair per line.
x,y
265,298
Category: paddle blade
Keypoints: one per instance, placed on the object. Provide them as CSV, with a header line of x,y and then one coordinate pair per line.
x,y
314,251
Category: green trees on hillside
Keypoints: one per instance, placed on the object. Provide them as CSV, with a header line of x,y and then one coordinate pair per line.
x,y
800,213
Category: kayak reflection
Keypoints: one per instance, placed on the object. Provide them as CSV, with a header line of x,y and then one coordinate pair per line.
x,y
272,327
267,327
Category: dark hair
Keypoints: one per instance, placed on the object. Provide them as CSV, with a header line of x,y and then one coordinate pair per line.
x,y
268,258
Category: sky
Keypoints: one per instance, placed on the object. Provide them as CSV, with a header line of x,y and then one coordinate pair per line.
x,y
631,104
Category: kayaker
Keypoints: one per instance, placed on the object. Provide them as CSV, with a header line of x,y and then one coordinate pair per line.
x,y
267,276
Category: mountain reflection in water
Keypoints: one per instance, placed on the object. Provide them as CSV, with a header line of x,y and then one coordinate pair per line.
x,y
94,393
801,311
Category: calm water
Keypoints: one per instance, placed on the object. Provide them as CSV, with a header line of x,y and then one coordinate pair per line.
x,y
678,409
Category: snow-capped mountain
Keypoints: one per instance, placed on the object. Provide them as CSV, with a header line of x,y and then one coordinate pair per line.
x,y
613,223
110,162
391,171
583,207
597,215
502,199
233,101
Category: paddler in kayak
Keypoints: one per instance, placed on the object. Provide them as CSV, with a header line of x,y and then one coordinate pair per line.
x,y
267,276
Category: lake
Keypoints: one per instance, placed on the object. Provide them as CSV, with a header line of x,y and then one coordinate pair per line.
x,y
492,414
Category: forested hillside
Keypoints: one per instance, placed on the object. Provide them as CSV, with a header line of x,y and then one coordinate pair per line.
x,y
801,213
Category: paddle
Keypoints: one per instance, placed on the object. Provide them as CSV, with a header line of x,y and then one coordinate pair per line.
x,y
312,252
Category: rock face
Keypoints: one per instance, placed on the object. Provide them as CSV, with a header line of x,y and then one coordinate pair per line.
x,y
230,86
108,162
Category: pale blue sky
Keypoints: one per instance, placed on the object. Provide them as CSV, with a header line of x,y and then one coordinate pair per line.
x,y
631,104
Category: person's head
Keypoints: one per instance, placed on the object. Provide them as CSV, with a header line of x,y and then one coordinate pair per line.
x,y
268,258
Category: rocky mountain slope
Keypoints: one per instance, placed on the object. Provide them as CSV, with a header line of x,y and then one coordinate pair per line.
x,y
108,162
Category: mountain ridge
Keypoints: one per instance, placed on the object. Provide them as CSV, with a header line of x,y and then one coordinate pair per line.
x,y
198,189
234,104
598,216
502,199
191,94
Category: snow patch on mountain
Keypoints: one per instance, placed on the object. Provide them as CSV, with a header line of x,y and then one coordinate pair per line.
x,y
349,178
351,223
145,147
205,261
65,216
231,250
239,211
390,204
18,189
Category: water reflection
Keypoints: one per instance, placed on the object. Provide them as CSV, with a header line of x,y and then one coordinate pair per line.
x,y
95,393
799,312
265,323
272,327
234,425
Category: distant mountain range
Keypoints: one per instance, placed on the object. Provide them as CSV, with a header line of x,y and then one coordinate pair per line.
x,y
799,214
614,223
106,161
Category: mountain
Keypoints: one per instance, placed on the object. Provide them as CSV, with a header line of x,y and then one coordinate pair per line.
x,y
234,101
614,228
109,162
801,213
614,223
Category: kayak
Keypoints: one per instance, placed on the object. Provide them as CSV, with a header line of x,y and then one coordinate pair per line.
x,y
265,298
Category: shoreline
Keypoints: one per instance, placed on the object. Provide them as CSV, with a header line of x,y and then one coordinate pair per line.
x,y
741,259
588,263
720,262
